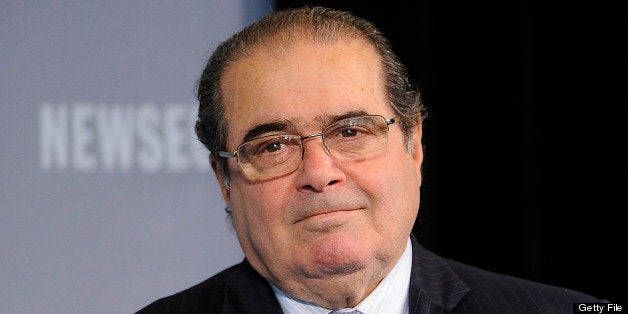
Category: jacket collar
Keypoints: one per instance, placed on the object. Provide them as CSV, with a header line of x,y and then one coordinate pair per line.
x,y
433,282
246,291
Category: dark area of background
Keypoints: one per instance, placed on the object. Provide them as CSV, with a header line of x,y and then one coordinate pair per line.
x,y
525,170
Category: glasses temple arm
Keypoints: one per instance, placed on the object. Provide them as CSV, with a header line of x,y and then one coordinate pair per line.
x,y
228,154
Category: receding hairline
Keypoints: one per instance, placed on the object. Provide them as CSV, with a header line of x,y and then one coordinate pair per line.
x,y
285,36
281,46
317,23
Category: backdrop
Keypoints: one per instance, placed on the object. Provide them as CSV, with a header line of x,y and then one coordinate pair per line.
x,y
106,201
525,166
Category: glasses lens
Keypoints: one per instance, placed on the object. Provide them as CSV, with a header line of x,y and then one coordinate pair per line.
x,y
275,155
270,156
358,137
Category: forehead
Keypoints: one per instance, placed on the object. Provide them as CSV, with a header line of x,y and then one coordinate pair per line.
x,y
304,83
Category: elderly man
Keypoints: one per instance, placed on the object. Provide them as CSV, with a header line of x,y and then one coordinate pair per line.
x,y
315,138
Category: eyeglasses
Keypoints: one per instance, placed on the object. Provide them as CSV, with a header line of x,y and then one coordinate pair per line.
x,y
278,154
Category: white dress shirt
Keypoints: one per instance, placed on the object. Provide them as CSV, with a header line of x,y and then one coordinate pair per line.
x,y
390,296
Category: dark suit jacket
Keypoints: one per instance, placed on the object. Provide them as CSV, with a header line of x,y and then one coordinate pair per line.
x,y
437,285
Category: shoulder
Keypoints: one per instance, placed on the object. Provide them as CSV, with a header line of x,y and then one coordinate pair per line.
x,y
238,289
456,287
208,294
507,294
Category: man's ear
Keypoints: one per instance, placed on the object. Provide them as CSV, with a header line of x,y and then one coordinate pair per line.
x,y
417,147
224,183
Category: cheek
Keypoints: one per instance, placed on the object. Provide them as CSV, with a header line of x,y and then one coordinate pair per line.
x,y
393,185
255,207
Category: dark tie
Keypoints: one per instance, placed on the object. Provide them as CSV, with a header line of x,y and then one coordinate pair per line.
x,y
343,312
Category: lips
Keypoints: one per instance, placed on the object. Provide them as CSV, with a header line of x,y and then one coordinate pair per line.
x,y
324,212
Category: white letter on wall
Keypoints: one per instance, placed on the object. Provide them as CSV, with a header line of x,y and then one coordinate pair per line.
x,y
82,159
53,136
114,123
175,117
150,153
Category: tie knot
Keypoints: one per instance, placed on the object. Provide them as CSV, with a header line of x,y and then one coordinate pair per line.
x,y
346,311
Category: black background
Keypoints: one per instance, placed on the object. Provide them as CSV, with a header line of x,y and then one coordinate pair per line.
x,y
525,170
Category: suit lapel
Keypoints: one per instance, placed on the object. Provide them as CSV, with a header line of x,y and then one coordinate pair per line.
x,y
248,292
434,286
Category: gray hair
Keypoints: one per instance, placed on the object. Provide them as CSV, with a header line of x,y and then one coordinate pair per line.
x,y
319,25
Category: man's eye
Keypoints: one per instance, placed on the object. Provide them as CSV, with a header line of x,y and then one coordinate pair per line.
x,y
273,147
269,147
350,132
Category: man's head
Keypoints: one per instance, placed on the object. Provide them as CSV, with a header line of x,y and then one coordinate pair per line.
x,y
316,24
334,223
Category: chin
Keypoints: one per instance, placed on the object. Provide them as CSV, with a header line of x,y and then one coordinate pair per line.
x,y
330,271
336,255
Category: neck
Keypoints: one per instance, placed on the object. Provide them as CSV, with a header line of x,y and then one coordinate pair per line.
x,y
337,291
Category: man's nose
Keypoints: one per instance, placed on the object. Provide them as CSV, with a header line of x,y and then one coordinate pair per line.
x,y
319,170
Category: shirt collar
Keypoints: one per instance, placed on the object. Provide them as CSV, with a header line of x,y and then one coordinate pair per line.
x,y
390,296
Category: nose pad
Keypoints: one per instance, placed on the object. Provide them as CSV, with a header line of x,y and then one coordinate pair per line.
x,y
325,146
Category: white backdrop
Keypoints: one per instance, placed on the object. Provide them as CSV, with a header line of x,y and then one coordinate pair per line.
x,y
107,202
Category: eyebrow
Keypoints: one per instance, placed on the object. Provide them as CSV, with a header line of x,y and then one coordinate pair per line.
x,y
329,119
261,129
284,125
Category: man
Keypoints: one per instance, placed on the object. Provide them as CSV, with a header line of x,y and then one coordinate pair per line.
x,y
315,138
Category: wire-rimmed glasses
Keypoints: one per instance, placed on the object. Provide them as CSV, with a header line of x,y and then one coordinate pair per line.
x,y
274,155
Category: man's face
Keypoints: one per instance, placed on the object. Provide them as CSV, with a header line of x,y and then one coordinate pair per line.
x,y
342,221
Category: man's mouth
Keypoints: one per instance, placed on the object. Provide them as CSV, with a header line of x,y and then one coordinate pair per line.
x,y
327,220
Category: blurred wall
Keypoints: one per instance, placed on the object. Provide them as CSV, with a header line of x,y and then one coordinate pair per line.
x,y
107,201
